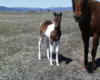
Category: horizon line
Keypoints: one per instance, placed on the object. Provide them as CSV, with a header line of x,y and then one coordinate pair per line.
x,y
37,7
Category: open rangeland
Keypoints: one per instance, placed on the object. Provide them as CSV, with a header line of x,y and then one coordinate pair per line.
x,y
19,49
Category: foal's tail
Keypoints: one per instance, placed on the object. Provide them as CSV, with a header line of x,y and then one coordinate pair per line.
x,y
41,30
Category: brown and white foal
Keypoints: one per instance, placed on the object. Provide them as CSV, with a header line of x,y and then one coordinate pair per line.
x,y
51,30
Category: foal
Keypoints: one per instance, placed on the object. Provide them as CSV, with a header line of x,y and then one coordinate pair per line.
x,y
51,30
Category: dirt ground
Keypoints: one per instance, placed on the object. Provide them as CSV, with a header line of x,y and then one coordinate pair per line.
x,y
19,49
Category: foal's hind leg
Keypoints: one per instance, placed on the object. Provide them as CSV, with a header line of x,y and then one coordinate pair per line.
x,y
39,45
51,51
48,48
94,49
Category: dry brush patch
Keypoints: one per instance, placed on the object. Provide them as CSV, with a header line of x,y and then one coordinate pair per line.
x,y
18,49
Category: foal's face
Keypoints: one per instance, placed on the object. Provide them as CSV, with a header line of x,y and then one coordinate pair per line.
x,y
77,9
57,18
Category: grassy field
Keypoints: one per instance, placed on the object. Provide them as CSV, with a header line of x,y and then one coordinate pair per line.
x,y
19,50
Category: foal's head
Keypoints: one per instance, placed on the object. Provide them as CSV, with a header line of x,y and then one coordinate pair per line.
x,y
57,19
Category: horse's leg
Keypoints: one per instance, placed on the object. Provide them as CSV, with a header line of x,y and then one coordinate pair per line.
x,y
51,51
48,48
94,49
86,47
39,45
57,43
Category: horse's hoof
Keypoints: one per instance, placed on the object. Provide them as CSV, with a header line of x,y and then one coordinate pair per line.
x,y
85,66
94,68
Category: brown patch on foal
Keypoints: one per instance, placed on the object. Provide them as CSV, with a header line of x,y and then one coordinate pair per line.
x,y
55,35
44,27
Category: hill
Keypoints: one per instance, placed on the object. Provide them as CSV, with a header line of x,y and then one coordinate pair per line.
x,y
24,9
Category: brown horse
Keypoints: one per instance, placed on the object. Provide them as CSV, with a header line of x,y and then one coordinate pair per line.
x,y
87,14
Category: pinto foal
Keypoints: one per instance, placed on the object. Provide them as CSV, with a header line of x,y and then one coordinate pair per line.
x,y
51,30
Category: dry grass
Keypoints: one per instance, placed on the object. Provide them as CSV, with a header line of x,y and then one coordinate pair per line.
x,y
18,49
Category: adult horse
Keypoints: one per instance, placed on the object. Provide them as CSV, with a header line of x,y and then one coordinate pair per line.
x,y
87,14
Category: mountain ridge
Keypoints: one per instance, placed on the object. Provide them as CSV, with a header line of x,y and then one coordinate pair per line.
x,y
3,8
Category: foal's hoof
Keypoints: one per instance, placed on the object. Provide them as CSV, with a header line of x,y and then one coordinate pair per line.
x,y
39,58
51,64
48,58
57,64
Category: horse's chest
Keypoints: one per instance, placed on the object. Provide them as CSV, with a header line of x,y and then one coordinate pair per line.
x,y
49,30
55,35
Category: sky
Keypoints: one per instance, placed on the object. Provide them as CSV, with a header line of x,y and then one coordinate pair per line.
x,y
36,3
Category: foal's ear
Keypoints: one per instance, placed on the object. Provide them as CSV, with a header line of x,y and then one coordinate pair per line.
x,y
60,13
54,13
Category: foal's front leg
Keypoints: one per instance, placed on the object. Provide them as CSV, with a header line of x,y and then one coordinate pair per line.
x,y
51,51
57,43
48,48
